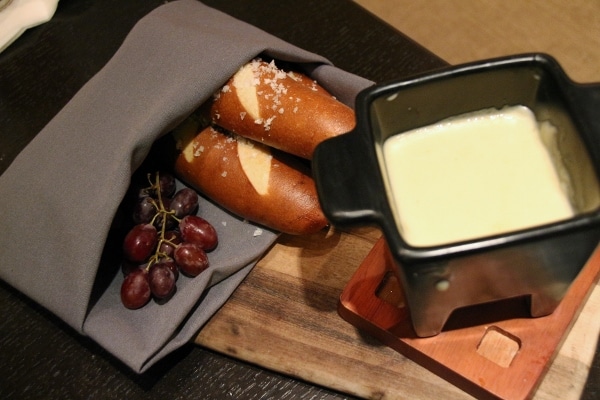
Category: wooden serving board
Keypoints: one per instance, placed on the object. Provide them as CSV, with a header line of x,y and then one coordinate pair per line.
x,y
284,317
499,358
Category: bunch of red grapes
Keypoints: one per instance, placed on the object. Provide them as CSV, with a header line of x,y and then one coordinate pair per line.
x,y
167,238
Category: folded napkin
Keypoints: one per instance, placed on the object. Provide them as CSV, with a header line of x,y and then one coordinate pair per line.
x,y
61,194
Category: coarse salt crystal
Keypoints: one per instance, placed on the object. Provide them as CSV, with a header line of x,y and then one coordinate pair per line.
x,y
268,122
198,151
294,76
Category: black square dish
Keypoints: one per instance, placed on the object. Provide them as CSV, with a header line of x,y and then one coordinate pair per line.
x,y
538,262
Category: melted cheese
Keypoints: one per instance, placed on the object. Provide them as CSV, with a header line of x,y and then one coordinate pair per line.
x,y
473,176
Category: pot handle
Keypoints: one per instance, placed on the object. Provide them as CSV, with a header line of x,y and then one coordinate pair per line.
x,y
586,99
347,179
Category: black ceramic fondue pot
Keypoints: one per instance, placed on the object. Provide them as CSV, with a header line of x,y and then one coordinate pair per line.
x,y
538,263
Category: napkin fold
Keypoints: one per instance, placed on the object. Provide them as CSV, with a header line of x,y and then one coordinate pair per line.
x,y
62,193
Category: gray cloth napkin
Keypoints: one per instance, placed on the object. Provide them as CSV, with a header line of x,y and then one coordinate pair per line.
x,y
61,194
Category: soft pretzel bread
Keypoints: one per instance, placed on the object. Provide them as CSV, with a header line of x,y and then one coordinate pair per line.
x,y
285,110
251,180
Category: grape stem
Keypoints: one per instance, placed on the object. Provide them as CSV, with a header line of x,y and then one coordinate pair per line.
x,y
164,213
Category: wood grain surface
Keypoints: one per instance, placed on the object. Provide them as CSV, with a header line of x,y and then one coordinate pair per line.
x,y
469,30
491,351
283,317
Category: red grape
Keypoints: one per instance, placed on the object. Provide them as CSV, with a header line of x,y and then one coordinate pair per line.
x,y
140,242
128,267
144,210
166,202
165,216
191,258
167,239
167,184
171,239
135,289
185,202
197,230
162,280
173,267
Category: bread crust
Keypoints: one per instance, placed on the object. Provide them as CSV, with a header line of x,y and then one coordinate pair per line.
x,y
293,114
210,162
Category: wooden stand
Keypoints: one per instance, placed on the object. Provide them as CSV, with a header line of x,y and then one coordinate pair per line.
x,y
490,351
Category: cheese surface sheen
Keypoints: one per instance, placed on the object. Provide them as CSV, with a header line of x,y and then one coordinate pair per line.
x,y
473,176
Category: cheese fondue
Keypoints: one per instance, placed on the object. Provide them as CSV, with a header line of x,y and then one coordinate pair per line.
x,y
473,176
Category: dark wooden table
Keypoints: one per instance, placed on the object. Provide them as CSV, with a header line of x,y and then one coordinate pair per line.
x,y
41,357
